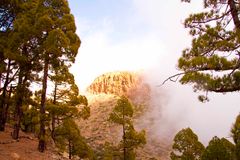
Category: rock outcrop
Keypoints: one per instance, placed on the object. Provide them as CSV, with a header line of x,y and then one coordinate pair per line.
x,y
102,97
129,84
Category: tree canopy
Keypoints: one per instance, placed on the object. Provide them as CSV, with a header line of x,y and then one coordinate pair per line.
x,y
122,114
220,149
38,44
236,135
68,136
186,146
212,63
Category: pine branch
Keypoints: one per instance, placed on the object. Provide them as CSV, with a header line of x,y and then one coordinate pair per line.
x,y
176,76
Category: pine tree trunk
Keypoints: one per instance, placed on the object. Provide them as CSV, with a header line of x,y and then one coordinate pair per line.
x,y
53,115
234,13
42,143
124,136
70,149
124,142
2,115
2,62
19,101
20,93
3,100
0,81
53,126
7,107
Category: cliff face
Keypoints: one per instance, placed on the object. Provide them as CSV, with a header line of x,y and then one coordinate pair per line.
x,y
130,84
102,96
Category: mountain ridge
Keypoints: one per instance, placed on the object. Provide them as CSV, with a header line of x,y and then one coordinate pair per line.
x,y
102,95
129,84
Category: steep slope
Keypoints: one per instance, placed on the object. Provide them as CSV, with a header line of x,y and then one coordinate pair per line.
x,y
102,96
98,130
25,148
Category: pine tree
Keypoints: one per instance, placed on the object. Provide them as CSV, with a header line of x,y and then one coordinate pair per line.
x,y
220,149
59,44
236,136
186,146
68,136
212,62
65,98
37,37
8,12
122,114
23,49
111,152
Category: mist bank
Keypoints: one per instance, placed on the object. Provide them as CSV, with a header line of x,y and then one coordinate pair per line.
x,y
175,106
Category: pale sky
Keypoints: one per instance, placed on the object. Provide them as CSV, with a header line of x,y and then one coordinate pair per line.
x,y
148,35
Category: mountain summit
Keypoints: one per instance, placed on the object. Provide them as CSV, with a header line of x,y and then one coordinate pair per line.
x,y
129,84
102,96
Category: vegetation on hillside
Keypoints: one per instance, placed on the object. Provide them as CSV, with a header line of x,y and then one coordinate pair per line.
x,y
38,45
211,64
122,115
187,146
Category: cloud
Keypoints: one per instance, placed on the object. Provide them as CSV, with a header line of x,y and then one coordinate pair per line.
x,y
146,39
151,37
100,53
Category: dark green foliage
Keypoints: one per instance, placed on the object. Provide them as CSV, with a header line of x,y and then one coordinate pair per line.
x,y
186,146
131,139
220,149
214,49
68,137
30,120
8,12
38,44
238,151
65,98
236,135
236,130
59,44
62,111
122,112
64,106
111,152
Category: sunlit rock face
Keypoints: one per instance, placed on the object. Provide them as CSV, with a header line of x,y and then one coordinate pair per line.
x,y
129,84
102,96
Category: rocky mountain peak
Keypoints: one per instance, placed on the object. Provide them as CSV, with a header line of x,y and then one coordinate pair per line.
x,y
102,97
130,84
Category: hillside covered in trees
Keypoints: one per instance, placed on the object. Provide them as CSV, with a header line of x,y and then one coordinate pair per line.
x,y
38,44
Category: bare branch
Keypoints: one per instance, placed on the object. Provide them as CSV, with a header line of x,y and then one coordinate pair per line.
x,y
176,76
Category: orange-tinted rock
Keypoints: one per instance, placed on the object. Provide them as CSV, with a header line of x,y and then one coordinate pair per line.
x,y
130,84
